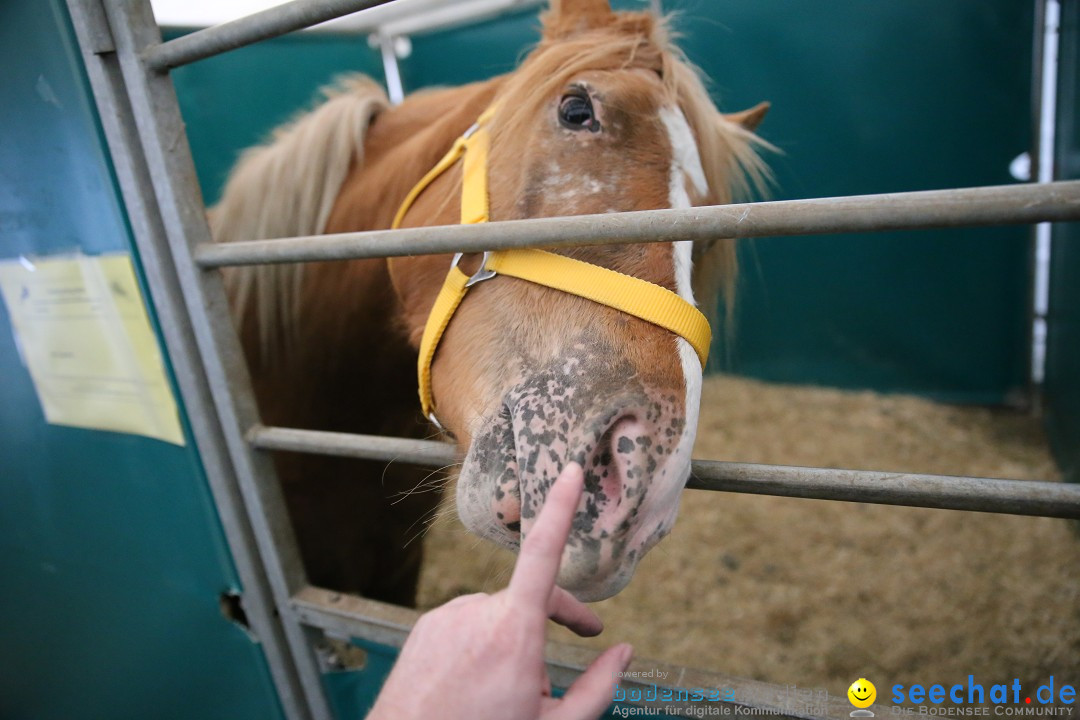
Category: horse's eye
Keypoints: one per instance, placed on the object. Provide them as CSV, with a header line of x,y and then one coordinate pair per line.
x,y
576,112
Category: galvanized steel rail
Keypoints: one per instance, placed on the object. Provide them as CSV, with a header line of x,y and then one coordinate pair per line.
x,y
263,25
995,205
947,492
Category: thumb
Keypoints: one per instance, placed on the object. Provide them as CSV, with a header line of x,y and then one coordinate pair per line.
x,y
591,693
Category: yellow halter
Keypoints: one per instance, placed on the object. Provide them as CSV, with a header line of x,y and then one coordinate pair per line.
x,y
634,296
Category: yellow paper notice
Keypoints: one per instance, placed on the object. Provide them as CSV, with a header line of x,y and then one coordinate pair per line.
x,y
85,337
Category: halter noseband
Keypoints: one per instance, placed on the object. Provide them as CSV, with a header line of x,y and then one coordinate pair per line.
x,y
631,295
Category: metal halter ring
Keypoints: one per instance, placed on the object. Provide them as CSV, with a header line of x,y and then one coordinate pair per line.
x,y
480,275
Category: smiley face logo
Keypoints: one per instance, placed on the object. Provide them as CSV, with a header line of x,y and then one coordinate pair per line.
x,y
862,693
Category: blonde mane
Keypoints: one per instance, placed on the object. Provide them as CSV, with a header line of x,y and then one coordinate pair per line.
x,y
287,187
729,152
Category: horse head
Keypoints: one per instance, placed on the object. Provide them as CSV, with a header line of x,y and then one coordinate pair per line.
x,y
602,116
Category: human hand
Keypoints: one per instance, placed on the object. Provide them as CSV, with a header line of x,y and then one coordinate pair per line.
x,y
482,656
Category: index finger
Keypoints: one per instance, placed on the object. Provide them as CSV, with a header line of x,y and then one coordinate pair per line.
x,y
538,563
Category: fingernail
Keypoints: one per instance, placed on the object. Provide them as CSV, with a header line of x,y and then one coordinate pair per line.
x,y
626,654
572,469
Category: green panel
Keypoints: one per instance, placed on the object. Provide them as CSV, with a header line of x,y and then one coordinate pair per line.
x,y
1063,351
353,692
867,97
233,101
494,48
111,554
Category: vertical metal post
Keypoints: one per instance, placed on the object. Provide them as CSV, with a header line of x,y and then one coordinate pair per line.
x,y
99,59
140,111
1046,78
391,69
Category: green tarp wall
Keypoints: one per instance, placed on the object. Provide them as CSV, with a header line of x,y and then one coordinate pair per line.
x,y
111,555
867,97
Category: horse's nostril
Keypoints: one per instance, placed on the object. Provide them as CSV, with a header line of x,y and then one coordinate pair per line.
x,y
618,458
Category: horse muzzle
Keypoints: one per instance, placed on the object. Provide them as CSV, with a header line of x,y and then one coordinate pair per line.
x,y
633,443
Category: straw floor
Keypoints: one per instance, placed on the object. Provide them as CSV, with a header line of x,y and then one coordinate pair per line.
x,y
818,594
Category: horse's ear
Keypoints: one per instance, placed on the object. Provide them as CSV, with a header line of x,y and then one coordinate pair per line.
x,y
570,17
751,118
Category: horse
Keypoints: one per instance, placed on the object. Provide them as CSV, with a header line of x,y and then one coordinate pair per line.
x,y
603,115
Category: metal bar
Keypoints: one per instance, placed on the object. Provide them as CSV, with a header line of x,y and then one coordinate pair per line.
x,y
997,205
1044,173
364,447
401,17
179,209
391,70
99,58
947,492
258,26
418,18
348,615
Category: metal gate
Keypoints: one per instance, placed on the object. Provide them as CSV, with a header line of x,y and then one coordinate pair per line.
x,y
129,66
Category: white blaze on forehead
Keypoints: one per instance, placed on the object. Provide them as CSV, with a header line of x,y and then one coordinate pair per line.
x,y
685,167
685,158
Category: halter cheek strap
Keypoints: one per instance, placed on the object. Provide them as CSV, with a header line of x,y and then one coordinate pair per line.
x,y
474,146
634,296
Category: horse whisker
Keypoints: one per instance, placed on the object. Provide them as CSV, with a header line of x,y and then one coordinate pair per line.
x,y
427,484
427,515
429,519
